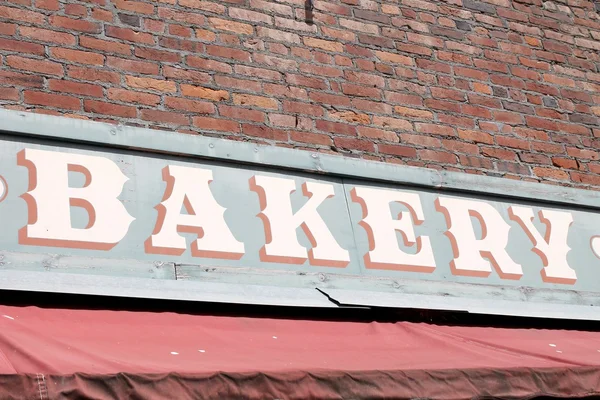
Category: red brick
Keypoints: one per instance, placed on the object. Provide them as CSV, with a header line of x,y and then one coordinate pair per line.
x,y
374,133
16,79
7,29
262,73
476,162
583,153
304,81
164,117
104,45
438,156
353,144
141,67
535,158
84,89
321,70
93,75
434,129
491,65
114,110
216,124
312,138
372,106
52,5
235,83
52,100
242,113
193,18
255,101
225,52
134,6
16,14
75,9
336,127
499,153
77,56
513,142
442,105
182,45
9,94
209,65
456,146
130,96
157,55
102,15
45,35
421,140
186,75
178,30
551,173
32,65
397,150
475,136
75,24
355,90
129,35
471,73
264,132
508,117
21,46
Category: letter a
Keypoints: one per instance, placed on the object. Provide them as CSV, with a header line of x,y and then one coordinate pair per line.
x,y
49,201
190,187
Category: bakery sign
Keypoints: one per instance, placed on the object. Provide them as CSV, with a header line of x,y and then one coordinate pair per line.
x,y
94,210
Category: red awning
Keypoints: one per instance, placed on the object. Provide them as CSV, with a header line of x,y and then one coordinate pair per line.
x,y
58,353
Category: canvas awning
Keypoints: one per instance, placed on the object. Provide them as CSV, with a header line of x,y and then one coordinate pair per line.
x,y
52,353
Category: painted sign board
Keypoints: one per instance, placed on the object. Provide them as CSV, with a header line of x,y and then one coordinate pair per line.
x,y
84,215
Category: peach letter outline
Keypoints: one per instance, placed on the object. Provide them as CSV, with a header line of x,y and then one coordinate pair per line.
x,y
552,248
469,252
280,223
384,251
205,217
49,200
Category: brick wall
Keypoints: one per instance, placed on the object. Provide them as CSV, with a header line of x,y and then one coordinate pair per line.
x,y
498,87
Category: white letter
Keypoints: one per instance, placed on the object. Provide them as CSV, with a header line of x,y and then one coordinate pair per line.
x,y
49,201
381,229
281,223
552,248
469,252
189,187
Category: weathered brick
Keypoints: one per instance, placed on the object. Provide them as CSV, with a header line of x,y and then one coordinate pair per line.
x,y
52,100
77,56
255,101
130,96
164,117
34,65
84,89
216,124
104,45
158,85
140,67
75,24
101,107
48,36
21,46
397,150
92,75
